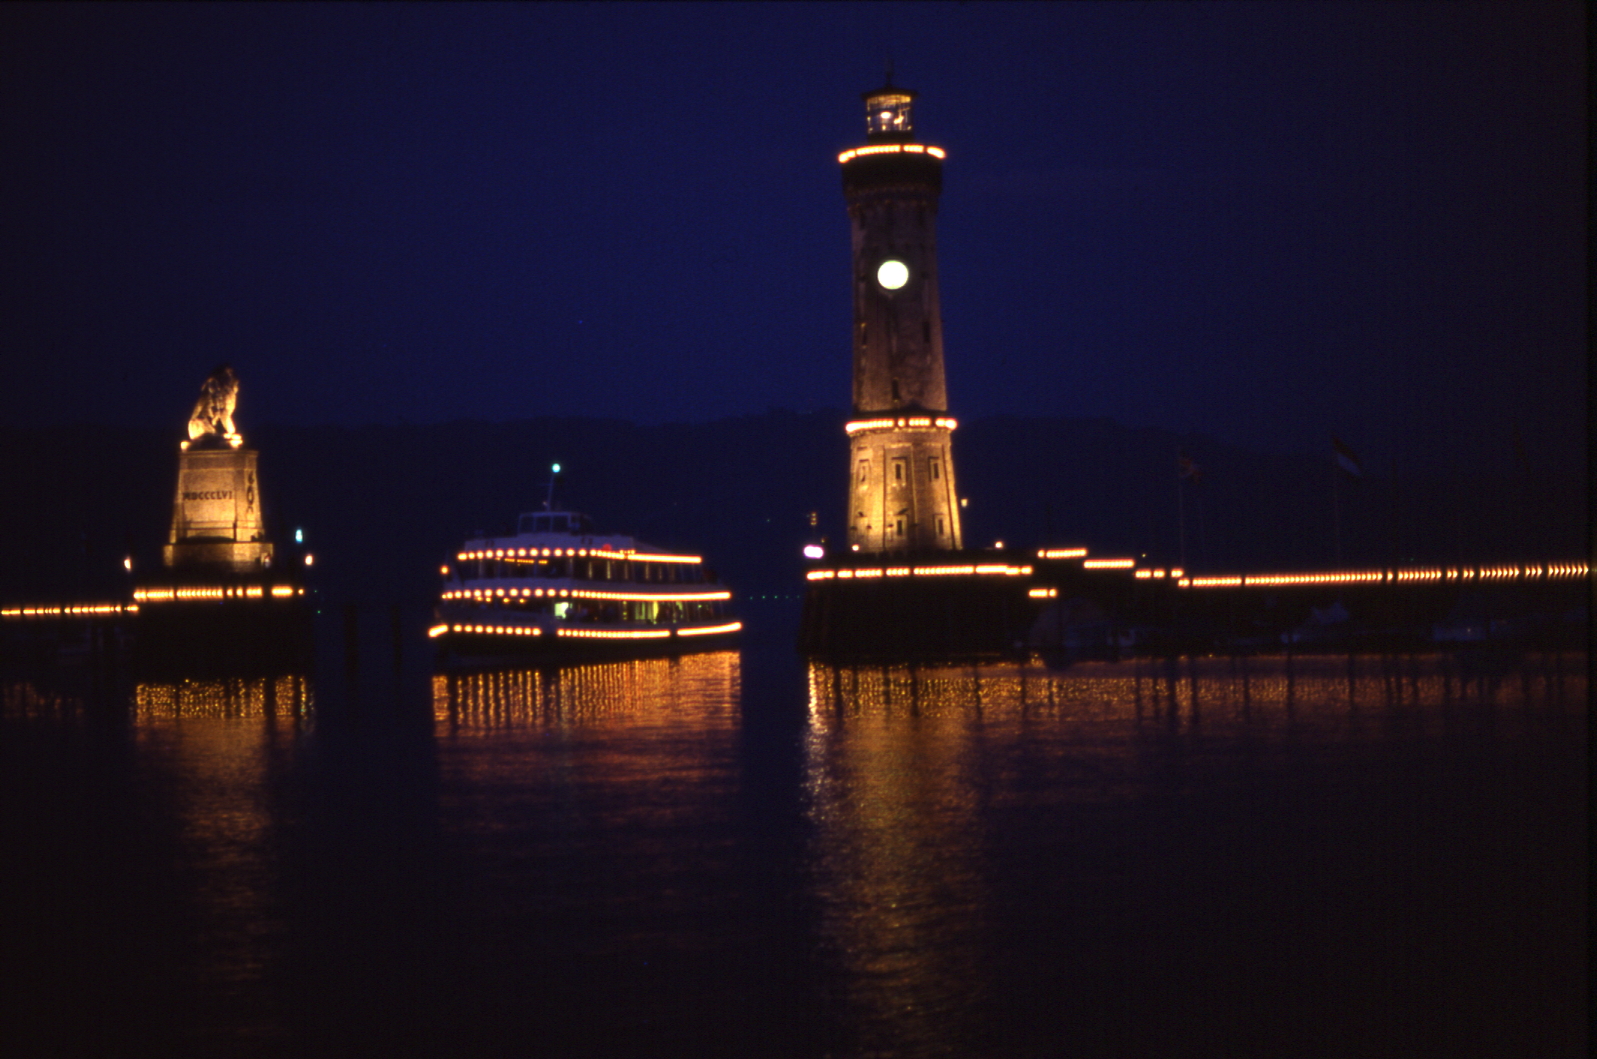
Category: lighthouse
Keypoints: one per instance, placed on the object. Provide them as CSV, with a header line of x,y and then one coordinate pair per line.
x,y
901,496
907,587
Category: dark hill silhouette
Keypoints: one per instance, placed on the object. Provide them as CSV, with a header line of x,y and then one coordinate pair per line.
x,y
382,506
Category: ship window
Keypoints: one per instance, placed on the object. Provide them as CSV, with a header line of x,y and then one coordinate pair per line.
x,y
864,472
558,524
939,525
895,389
898,528
898,469
936,470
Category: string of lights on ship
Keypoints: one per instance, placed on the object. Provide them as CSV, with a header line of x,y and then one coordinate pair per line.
x,y
576,563
566,632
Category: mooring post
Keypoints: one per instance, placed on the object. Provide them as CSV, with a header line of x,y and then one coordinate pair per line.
x,y
395,630
351,643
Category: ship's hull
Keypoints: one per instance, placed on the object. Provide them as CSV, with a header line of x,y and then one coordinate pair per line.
x,y
469,636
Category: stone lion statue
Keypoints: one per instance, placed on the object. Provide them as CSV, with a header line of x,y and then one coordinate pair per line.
x,y
213,412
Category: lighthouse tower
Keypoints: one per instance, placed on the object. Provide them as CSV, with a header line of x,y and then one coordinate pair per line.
x,y
901,494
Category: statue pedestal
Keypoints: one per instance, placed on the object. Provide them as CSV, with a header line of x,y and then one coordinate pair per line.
x,y
216,514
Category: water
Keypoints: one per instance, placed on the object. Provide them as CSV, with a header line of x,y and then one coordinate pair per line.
x,y
741,855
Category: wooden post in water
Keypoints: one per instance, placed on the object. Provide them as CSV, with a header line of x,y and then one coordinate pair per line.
x,y
1291,676
1136,685
1192,681
351,652
1352,683
1247,691
1172,677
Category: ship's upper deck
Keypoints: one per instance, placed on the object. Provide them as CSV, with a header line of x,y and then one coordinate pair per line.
x,y
561,546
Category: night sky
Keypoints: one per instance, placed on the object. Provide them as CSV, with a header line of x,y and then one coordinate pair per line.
x,y
1265,223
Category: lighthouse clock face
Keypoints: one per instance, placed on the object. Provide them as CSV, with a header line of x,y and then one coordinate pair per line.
x,y
892,274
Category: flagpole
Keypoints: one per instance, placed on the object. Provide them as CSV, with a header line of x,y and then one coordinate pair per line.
x,y
1181,513
1336,513
1538,543
1392,514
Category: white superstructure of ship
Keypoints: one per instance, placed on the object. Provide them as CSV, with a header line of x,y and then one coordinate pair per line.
x,y
558,585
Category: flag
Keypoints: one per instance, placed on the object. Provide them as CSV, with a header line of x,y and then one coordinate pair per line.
x,y
1346,459
1186,468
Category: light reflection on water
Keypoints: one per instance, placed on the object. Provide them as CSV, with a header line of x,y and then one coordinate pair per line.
x,y
1264,692
1142,857
286,697
918,777
223,748
697,689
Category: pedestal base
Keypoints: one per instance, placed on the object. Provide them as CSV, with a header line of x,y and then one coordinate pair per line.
x,y
229,556
216,512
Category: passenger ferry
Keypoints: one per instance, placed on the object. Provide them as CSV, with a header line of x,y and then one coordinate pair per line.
x,y
559,587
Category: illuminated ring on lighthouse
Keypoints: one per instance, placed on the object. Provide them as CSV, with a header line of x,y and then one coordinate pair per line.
x,y
900,423
892,148
892,274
